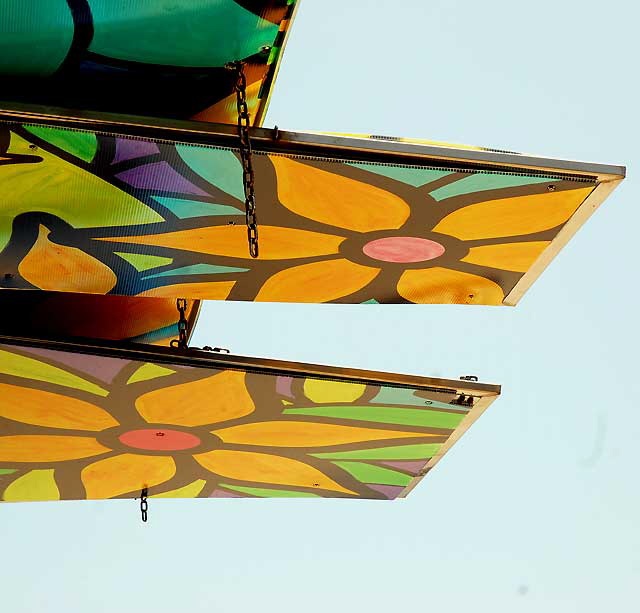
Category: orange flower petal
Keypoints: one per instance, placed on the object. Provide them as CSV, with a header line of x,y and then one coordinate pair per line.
x,y
231,241
41,408
210,290
316,282
265,468
444,286
304,434
513,216
126,473
206,401
335,200
518,257
65,269
44,448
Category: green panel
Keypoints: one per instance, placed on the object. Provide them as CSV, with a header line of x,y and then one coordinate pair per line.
x,y
144,262
36,37
483,182
368,473
384,415
412,176
402,452
81,144
8,471
194,33
268,493
401,395
197,269
184,209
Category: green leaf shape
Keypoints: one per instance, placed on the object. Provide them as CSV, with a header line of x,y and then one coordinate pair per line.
x,y
485,181
402,395
8,471
415,176
384,415
401,452
148,371
218,166
196,269
143,262
35,38
82,145
16,365
58,187
194,33
262,492
369,473
185,209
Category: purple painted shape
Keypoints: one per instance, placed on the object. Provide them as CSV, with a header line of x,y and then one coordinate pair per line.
x,y
412,467
283,386
390,491
223,494
159,176
101,368
128,149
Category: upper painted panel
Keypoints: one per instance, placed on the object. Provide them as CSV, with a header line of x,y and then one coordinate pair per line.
x,y
97,213
79,425
163,58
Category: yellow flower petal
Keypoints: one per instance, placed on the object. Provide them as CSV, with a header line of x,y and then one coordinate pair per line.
x,y
513,216
126,473
518,257
326,392
206,401
188,491
210,290
335,200
231,241
48,409
35,485
444,286
265,468
45,448
304,434
65,269
316,282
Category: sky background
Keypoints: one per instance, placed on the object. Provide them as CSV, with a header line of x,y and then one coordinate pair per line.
x,y
537,507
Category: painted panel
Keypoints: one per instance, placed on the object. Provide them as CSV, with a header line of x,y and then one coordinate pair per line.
x,y
80,425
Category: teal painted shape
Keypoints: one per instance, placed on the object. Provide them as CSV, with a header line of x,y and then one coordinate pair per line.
x,y
157,335
185,209
411,176
196,269
218,166
484,181
401,395
194,33
82,145
36,37
372,301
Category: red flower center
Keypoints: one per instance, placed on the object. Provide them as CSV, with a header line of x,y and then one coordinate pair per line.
x,y
154,439
403,249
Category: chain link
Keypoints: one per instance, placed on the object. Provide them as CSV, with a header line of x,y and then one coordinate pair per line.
x,y
183,325
244,123
144,505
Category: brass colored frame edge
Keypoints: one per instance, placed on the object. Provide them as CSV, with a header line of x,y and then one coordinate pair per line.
x,y
577,220
205,359
478,409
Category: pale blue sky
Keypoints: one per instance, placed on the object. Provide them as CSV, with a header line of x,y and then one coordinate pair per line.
x,y
536,508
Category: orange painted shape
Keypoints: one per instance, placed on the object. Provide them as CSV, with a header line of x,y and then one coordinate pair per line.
x,y
207,401
518,257
210,290
265,468
125,473
50,266
336,200
40,408
317,282
47,448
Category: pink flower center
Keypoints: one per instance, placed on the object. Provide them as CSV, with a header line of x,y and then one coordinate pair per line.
x,y
403,249
154,439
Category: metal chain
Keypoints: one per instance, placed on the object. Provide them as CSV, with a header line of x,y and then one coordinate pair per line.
x,y
244,123
144,506
183,324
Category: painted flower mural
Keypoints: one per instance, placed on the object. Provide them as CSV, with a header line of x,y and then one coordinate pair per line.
x,y
81,426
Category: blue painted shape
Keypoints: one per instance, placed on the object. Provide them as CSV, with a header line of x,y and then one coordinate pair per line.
x,y
406,174
196,269
185,209
218,166
485,181
401,395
